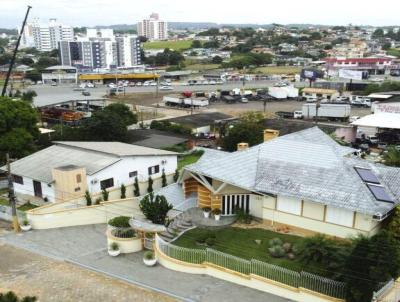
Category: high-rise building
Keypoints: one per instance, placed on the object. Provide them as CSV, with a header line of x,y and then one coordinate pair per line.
x,y
45,37
153,28
97,53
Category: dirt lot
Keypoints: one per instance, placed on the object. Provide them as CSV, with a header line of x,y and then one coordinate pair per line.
x,y
29,274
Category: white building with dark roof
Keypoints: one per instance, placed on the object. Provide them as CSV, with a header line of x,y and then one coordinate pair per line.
x,y
303,180
67,169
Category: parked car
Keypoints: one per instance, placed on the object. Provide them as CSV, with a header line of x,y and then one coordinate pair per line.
x,y
86,93
298,114
376,80
53,83
90,85
353,118
166,88
244,100
372,139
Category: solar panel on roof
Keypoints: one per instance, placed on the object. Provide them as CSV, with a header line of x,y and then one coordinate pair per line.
x,y
380,193
367,175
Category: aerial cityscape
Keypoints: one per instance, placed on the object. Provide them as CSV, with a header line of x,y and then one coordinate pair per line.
x,y
217,151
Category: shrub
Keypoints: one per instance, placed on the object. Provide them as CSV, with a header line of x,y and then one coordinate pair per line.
x,y
164,178
98,200
119,222
12,297
216,211
25,222
207,209
291,256
242,216
210,241
123,191
148,255
88,198
136,190
287,246
121,233
155,208
176,175
276,251
275,242
104,193
114,246
150,186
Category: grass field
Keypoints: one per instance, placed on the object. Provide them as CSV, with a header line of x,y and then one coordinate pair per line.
x,y
175,45
189,159
26,207
202,67
278,69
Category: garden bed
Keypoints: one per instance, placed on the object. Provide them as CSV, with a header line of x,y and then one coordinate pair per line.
x,y
242,243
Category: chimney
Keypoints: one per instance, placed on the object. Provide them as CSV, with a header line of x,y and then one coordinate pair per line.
x,y
270,134
242,146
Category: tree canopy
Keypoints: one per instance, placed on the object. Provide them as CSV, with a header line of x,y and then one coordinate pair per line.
x,y
155,208
18,129
123,112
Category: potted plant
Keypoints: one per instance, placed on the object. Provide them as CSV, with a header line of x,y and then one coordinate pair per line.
x,y
217,214
206,211
25,226
113,249
149,258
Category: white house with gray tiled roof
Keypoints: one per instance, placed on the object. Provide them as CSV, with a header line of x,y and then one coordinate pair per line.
x,y
67,169
303,180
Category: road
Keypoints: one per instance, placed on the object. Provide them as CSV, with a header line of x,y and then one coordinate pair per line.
x,y
48,95
86,246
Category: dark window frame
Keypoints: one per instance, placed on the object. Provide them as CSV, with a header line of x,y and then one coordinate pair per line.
x,y
156,169
18,179
107,183
133,174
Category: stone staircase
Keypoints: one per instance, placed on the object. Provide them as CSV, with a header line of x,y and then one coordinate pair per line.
x,y
180,224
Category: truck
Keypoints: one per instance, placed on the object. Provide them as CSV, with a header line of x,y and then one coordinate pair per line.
x,y
278,92
181,101
291,91
327,111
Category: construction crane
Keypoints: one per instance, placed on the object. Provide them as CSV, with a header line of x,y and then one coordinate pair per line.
x,y
3,93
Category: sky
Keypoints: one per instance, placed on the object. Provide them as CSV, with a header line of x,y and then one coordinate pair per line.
x,y
108,12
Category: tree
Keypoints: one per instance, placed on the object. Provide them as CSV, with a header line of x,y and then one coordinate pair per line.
x,y
142,39
28,96
45,62
26,61
386,46
216,60
5,59
18,128
211,44
11,297
123,191
372,261
249,130
33,75
378,33
164,178
150,185
392,157
176,175
88,198
393,226
136,187
196,44
155,208
104,126
105,194
123,112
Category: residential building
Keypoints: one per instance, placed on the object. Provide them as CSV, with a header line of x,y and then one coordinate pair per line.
x,y
304,181
68,169
374,66
97,53
153,28
45,37
95,33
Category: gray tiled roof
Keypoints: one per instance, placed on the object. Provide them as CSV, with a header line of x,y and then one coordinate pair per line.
x,y
116,148
307,164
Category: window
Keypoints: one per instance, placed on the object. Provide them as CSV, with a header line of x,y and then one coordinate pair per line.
x,y
154,169
289,205
18,179
107,183
339,216
78,178
133,174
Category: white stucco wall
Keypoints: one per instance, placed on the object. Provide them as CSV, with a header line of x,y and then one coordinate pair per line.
x,y
27,189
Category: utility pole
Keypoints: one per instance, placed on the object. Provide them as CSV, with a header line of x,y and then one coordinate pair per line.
x,y
3,93
317,105
11,196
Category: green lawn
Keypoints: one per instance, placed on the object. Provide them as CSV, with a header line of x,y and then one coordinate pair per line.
x,y
278,69
241,243
26,207
4,202
175,45
189,159
201,67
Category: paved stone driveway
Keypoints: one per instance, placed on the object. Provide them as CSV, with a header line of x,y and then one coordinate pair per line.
x,y
86,246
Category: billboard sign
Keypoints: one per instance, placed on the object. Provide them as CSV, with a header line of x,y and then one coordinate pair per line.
x,y
350,74
311,74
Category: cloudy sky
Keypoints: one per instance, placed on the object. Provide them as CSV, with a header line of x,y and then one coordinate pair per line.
x,y
106,12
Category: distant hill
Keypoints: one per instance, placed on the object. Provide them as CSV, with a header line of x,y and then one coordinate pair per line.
x,y
8,31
